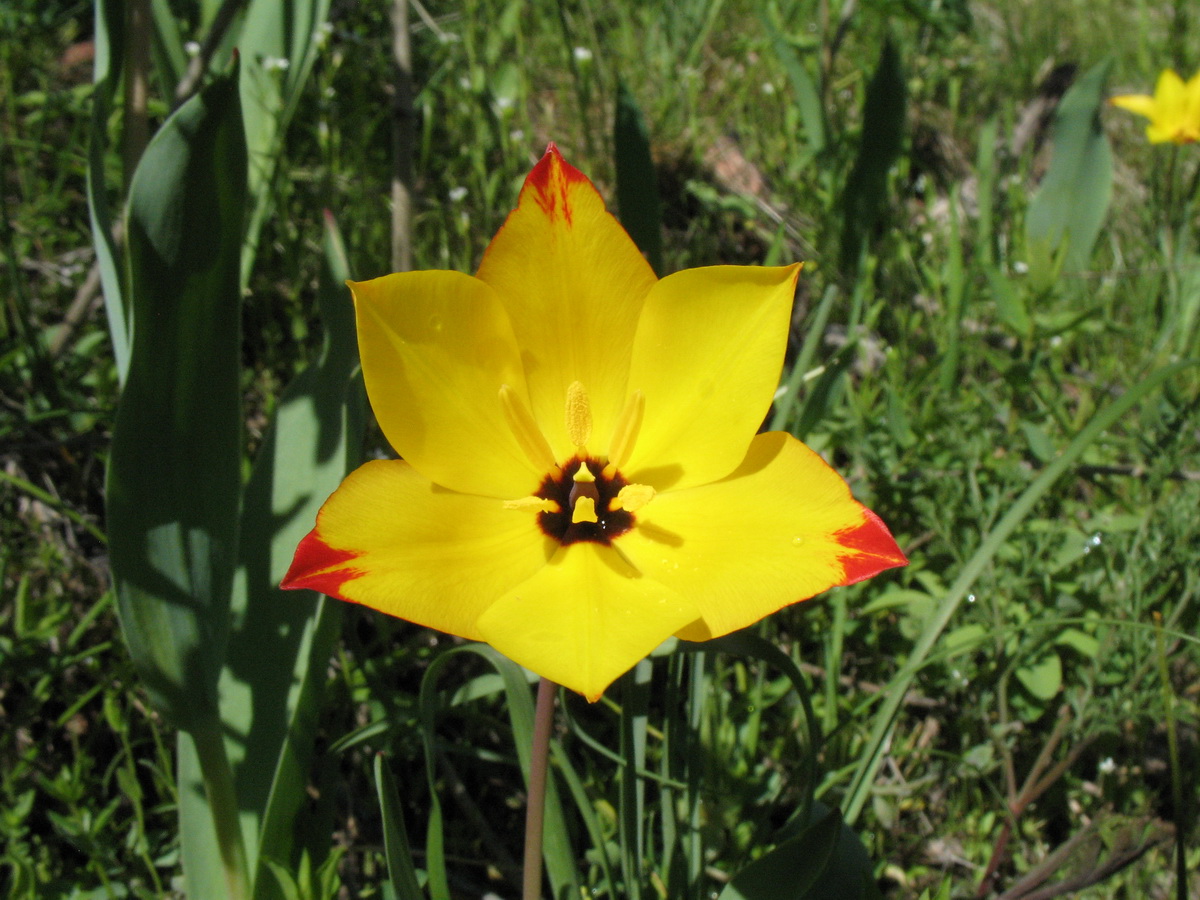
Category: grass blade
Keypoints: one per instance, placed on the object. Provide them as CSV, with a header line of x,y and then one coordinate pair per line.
x,y
396,848
110,18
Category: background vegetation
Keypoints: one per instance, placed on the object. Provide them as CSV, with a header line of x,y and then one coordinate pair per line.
x,y
942,377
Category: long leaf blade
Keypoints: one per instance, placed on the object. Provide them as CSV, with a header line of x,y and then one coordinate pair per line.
x,y
173,476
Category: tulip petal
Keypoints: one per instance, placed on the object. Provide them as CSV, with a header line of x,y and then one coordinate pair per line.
x,y
392,540
707,356
436,348
585,618
573,284
779,529
1139,104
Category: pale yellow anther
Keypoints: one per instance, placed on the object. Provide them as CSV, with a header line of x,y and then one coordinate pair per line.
x,y
532,504
583,475
579,415
584,511
525,429
629,423
633,497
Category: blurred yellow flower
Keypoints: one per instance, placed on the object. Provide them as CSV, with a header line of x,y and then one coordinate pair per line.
x,y
581,476
1173,111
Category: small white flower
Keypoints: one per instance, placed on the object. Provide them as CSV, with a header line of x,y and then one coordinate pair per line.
x,y
192,48
1107,766
582,54
276,64
1020,267
768,88
457,193
504,103
516,135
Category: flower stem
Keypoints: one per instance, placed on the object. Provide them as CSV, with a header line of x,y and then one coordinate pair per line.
x,y
543,718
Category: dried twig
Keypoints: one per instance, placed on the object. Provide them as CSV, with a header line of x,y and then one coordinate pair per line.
x,y
402,141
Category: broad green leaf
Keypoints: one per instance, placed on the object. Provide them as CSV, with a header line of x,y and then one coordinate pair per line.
x,y
865,196
1042,677
173,475
281,641
1067,212
110,21
1079,641
637,183
826,861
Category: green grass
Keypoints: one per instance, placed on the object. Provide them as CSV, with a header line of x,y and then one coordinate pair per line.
x,y
1057,632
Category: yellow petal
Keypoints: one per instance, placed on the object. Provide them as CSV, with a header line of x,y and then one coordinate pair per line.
x,y
1169,93
779,529
573,284
585,618
436,349
707,357
390,539
1139,104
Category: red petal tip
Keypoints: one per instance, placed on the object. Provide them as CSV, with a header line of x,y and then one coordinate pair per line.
x,y
319,567
875,548
550,182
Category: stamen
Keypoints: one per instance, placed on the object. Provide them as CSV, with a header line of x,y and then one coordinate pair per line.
x,y
525,429
533,504
584,511
632,497
629,423
579,416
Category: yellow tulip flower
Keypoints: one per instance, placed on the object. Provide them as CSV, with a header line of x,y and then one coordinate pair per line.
x,y
1173,111
580,473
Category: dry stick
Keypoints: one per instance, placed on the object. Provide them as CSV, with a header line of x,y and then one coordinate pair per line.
x,y
1035,785
543,718
137,66
402,141
190,82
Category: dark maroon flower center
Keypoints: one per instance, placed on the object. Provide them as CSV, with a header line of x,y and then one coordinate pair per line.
x,y
564,488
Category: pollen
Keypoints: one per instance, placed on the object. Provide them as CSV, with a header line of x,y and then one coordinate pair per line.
x,y
633,497
579,416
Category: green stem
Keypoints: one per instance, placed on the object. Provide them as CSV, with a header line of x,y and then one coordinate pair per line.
x,y
535,811
222,799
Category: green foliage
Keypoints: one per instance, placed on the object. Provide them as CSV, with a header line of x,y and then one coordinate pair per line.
x,y
1017,427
